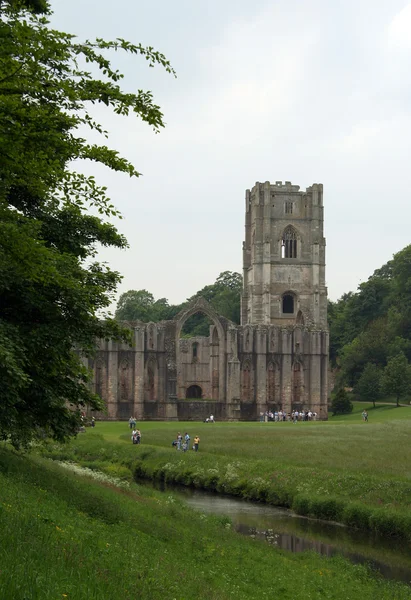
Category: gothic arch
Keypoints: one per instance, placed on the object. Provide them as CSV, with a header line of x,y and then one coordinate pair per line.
x,y
290,243
288,303
200,306
217,349
300,319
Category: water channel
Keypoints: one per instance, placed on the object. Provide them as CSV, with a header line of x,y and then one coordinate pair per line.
x,y
286,530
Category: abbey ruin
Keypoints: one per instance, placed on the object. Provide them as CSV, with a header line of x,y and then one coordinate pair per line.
x,y
277,357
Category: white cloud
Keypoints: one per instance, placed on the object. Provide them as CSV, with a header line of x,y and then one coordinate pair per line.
x,y
399,30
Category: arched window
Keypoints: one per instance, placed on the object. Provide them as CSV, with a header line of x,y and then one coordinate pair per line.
x,y
300,318
194,391
289,243
288,304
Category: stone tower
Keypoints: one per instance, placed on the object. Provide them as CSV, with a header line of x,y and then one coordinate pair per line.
x,y
276,359
284,256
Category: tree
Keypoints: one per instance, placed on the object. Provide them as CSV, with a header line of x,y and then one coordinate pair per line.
x,y
369,383
223,295
53,292
135,305
341,404
396,379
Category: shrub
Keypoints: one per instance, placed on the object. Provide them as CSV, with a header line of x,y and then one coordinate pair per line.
x,y
356,515
329,509
301,505
341,404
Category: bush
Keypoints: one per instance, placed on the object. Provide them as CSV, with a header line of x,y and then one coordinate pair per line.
x,y
301,505
341,404
357,515
329,509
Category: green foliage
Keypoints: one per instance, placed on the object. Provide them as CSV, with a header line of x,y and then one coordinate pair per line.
x,y
53,293
369,383
223,295
374,324
341,404
396,379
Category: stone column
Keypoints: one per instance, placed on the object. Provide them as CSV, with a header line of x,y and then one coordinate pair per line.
x,y
315,372
286,366
324,375
222,358
112,380
138,383
261,369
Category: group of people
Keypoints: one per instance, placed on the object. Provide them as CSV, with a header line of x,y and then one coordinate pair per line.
x,y
282,415
136,436
209,419
183,442
132,422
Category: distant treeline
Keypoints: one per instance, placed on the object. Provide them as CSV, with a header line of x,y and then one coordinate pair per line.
x,y
370,332
223,295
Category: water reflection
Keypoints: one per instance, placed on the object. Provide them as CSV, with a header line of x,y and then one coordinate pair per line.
x,y
286,530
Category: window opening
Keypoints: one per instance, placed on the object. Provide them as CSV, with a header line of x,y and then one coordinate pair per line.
x,y
289,244
194,391
288,304
195,351
289,207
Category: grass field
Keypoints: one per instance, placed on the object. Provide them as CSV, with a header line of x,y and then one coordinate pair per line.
x,y
344,470
65,536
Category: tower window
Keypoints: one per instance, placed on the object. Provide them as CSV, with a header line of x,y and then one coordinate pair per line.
x,y
288,304
289,207
289,243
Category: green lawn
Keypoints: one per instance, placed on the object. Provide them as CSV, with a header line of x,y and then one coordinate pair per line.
x,y
344,469
68,537
344,442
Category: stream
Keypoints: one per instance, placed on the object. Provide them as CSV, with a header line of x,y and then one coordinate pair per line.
x,y
286,530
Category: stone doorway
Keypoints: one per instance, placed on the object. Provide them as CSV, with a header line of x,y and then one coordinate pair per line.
x,y
194,391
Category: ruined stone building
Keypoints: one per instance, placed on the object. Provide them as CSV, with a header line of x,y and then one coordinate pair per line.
x,y
277,357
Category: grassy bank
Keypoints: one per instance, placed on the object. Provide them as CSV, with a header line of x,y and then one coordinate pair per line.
x,y
342,470
65,536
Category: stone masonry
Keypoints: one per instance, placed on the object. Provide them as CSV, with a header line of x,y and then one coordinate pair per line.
x,y
276,358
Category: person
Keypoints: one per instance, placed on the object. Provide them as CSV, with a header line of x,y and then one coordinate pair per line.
x,y
130,422
187,439
93,422
184,446
134,436
179,440
196,443
138,436
212,419
364,415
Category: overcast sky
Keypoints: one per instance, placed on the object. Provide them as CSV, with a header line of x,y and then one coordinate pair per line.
x,y
312,91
